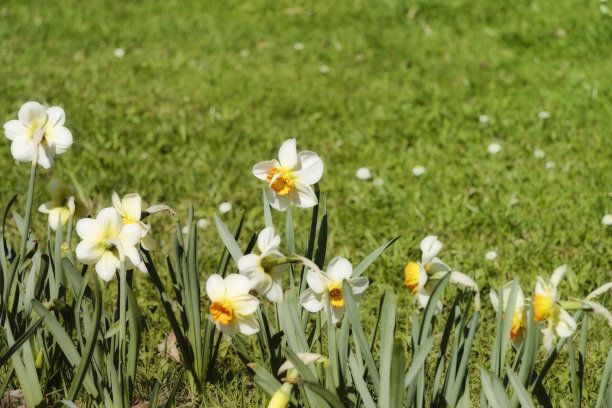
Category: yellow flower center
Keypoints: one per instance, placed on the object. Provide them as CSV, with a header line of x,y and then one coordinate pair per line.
x,y
517,323
541,307
222,312
127,220
335,295
281,180
412,271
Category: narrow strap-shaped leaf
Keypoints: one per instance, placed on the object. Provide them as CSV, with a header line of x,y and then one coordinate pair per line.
x,y
266,210
228,239
604,384
436,294
322,392
19,342
418,360
519,389
396,370
360,384
360,269
174,390
494,390
387,348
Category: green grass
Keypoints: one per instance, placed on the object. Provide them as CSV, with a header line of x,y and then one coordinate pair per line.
x,y
207,89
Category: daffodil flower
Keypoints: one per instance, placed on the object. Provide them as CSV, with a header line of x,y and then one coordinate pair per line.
x,y
545,306
232,308
38,134
264,278
319,282
106,241
63,203
130,208
519,319
290,178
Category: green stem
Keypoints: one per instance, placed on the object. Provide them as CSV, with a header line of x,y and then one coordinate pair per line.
x,y
28,214
122,323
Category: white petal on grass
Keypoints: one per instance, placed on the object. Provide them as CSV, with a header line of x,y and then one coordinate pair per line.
x,y
244,53
603,8
324,69
185,230
203,223
225,207
363,173
494,148
538,153
544,115
483,118
550,165
418,170
607,219
119,52
491,255
378,181
298,46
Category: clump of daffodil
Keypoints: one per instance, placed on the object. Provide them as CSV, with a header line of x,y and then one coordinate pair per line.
x,y
106,242
63,204
421,277
232,308
38,134
264,270
282,396
519,318
319,282
546,307
290,178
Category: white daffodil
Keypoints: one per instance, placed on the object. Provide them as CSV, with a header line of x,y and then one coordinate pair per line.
x,y
519,319
545,306
130,208
63,203
106,241
282,396
38,134
264,278
291,176
319,282
232,308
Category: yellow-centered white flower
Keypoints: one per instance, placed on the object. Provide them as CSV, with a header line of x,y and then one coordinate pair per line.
x,y
63,203
106,241
545,306
319,282
38,134
264,278
519,319
232,308
290,178
130,208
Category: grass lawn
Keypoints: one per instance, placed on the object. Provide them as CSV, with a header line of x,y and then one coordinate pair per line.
x,y
205,90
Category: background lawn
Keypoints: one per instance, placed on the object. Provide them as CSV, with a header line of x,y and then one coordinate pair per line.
x,y
207,89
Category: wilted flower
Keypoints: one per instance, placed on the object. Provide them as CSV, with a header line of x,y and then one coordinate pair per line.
x,y
38,134
319,282
545,306
519,319
130,208
291,176
363,173
106,241
263,274
607,219
225,207
232,308
418,170
494,148
63,203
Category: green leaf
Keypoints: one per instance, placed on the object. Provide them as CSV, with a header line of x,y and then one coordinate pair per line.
x,y
322,392
387,348
19,342
266,209
228,239
360,384
494,390
519,389
360,269
396,387
606,377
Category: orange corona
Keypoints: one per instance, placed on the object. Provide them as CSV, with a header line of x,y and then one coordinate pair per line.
x,y
222,312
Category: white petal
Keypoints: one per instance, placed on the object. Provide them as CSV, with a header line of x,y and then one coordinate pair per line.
x,y
59,138
303,196
359,285
46,208
540,287
278,202
230,329
132,257
311,301
88,228
565,324
32,114
117,204
558,275
337,313
58,215
110,221
107,266
45,155
89,252
287,155
215,288
132,203
548,338
244,305
56,116
436,265
267,240
250,261
261,170
459,278
23,149
14,128
236,285
275,294
310,167
339,269
248,326
316,281
430,246
494,299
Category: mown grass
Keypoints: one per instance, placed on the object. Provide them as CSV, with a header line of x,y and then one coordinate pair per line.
x,y
207,89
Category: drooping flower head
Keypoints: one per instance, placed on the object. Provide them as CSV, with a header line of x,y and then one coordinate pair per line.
x,y
264,278
38,134
545,307
106,241
63,203
232,308
319,282
290,178
519,318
